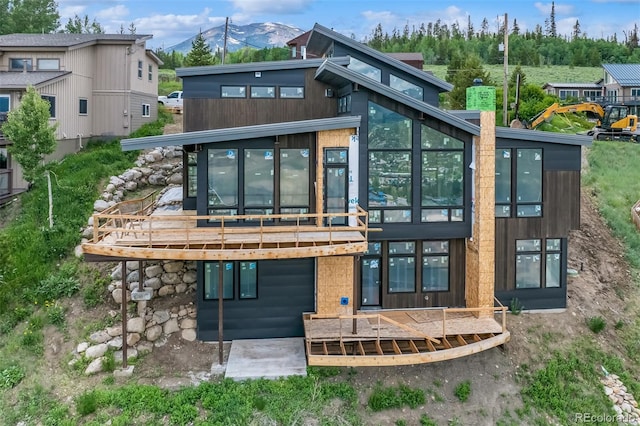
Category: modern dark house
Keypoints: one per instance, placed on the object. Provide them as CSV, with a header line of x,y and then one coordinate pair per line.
x,y
336,188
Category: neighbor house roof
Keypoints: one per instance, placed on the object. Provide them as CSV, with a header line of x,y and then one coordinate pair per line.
x,y
14,41
256,66
322,37
624,74
21,80
241,133
573,85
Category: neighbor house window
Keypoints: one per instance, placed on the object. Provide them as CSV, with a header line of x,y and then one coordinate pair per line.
x,y
140,69
592,95
83,106
150,73
365,69
4,103
442,177
20,64
566,94
635,94
527,192
212,279
390,159
52,104
48,64
538,263
435,266
402,267
292,92
233,92
263,92
405,87
146,110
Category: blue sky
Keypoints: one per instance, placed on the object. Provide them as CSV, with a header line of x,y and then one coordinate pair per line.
x,y
173,21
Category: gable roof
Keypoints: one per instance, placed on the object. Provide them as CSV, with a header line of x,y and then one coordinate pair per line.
x,y
255,66
21,80
240,133
573,85
334,74
14,41
624,74
322,37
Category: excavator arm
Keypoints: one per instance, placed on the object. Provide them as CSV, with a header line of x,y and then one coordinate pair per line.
x,y
556,108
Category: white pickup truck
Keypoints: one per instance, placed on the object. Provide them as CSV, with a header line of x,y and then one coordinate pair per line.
x,y
173,101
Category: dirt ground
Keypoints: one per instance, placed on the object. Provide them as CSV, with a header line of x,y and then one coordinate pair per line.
x,y
602,287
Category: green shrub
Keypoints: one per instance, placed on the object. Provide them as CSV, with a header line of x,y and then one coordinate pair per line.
x,y
87,403
109,361
55,313
463,390
596,324
395,397
515,306
427,421
11,376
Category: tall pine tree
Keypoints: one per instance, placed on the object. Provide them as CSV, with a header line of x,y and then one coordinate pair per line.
x,y
200,53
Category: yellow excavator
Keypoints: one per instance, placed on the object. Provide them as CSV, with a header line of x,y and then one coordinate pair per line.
x,y
615,122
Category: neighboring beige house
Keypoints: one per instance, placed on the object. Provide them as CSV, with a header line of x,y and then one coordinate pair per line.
x,y
622,83
98,85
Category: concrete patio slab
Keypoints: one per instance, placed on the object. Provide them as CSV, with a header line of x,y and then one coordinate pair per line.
x,y
266,358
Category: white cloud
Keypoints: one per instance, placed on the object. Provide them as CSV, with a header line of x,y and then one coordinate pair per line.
x,y
560,9
171,28
115,12
69,12
274,6
382,17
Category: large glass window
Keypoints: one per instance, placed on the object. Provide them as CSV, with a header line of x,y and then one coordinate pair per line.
x,y
528,258
4,103
365,69
192,174
258,177
390,161
48,64
553,263
442,177
532,259
292,92
435,266
402,267
248,280
233,92
529,182
371,275
263,92
405,87
294,178
211,280
223,181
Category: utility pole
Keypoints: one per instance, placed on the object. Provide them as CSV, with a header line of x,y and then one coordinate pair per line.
x,y
224,45
505,87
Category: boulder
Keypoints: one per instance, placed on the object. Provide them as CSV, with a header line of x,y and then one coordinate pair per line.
x,y
94,367
114,331
174,179
135,325
145,347
166,290
188,323
115,343
133,276
173,266
190,277
116,181
117,295
160,317
100,205
131,186
153,283
171,326
171,278
153,333
132,353
132,339
153,271
82,347
181,288
96,351
157,180
189,334
99,336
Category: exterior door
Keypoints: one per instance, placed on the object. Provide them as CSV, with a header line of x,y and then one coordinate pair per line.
x,y
371,276
336,174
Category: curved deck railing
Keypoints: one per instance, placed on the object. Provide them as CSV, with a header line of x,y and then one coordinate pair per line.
x,y
635,214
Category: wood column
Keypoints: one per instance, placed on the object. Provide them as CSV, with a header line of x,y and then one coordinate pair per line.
x,y
480,248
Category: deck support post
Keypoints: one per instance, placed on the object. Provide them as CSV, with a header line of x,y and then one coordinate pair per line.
x,y
124,314
356,296
220,313
140,276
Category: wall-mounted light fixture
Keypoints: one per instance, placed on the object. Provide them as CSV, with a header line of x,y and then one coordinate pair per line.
x,y
257,74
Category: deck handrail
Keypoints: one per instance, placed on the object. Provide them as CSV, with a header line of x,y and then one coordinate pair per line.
x,y
381,317
134,218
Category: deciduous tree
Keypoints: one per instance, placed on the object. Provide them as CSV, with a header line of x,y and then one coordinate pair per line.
x,y
28,16
31,135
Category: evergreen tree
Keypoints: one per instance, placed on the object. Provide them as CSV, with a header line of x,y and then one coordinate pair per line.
x,y
516,29
132,28
552,20
484,28
469,28
200,53
79,25
463,78
27,127
576,30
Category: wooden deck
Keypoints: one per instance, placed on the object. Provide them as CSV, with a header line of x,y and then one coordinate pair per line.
x,y
402,337
132,230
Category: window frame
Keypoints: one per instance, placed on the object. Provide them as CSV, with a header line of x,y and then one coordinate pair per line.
x,y
140,67
515,207
146,110
396,83
439,253
8,98
242,92
233,282
80,106
298,89
544,248
41,60
262,92
150,72
409,254
52,104
29,62
360,66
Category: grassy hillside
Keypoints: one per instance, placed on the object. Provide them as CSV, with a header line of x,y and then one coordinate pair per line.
x,y
536,75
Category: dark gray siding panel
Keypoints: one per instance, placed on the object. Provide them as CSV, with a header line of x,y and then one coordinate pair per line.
x,y
548,298
555,156
285,291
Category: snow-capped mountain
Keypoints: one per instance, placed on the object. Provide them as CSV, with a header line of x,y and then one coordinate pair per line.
x,y
258,35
